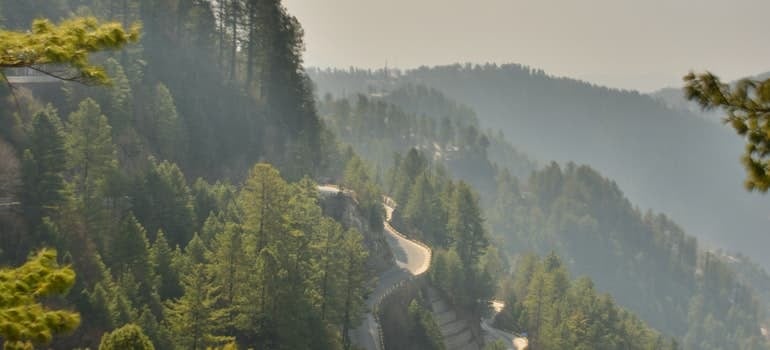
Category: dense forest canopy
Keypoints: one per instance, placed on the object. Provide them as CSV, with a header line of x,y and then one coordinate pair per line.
x,y
666,159
571,210
164,194
147,189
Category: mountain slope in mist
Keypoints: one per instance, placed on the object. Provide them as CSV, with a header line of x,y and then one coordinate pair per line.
x,y
669,160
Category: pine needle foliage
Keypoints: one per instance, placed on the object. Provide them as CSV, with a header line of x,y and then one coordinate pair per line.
x,y
24,321
67,44
747,104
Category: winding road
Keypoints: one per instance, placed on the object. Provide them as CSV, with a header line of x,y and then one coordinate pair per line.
x,y
412,259
513,341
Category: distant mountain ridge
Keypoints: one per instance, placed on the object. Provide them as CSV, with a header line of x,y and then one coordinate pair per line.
x,y
666,159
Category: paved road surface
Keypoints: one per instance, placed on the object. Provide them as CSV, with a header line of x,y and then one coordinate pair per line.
x,y
520,343
513,341
411,258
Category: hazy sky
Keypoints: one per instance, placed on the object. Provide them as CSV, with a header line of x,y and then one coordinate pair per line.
x,y
635,44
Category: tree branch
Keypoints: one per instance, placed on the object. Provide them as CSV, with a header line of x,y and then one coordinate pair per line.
x,y
76,79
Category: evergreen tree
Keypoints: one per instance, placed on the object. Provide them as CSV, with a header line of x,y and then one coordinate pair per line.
x,y
165,202
100,312
466,226
128,337
193,318
748,111
264,201
166,125
119,110
194,254
357,177
424,210
353,281
24,321
227,264
284,86
130,252
90,148
328,260
42,167
163,257
68,43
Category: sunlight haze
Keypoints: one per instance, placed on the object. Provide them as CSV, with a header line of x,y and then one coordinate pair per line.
x,y
643,45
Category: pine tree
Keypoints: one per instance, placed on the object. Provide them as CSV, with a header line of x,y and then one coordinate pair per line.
x,y
264,201
357,177
227,264
265,204
328,258
68,43
42,167
423,210
747,104
165,202
90,149
466,226
128,337
285,88
353,281
24,321
193,318
166,125
194,253
99,311
162,257
129,251
119,109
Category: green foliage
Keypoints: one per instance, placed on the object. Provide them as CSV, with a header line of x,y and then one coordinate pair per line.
x,y
129,253
169,245
163,258
68,43
193,318
165,126
353,282
426,212
466,226
120,96
569,209
559,314
165,202
91,152
358,178
128,337
557,118
227,265
42,166
747,104
426,331
24,321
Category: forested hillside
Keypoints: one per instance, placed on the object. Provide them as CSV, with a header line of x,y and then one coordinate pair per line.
x,y
643,259
665,159
187,83
564,314
149,191
175,204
